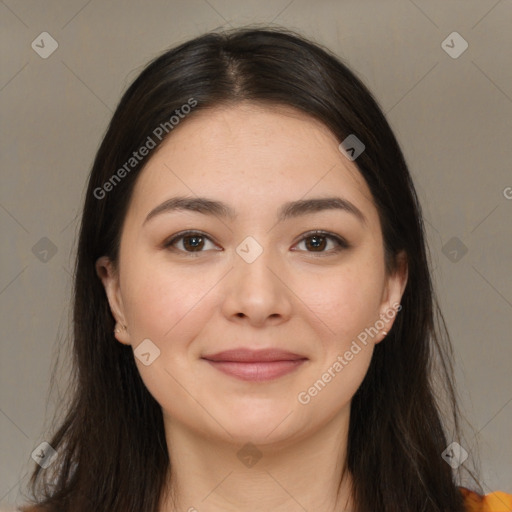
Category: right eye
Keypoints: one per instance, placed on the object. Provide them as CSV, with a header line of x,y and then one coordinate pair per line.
x,y
193,240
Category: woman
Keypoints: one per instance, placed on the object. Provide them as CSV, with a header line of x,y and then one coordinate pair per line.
x,y
254,321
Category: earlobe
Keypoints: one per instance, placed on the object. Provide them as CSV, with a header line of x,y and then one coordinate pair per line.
x,y
106,271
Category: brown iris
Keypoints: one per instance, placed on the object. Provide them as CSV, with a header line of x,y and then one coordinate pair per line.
x,y
318,244
196,244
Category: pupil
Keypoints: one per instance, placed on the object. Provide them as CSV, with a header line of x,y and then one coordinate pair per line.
x,y
317,242
194,241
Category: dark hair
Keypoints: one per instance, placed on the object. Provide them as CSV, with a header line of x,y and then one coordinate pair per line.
x,y
396,433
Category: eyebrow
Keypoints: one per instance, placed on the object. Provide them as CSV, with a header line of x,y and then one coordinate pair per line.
x,y
287,211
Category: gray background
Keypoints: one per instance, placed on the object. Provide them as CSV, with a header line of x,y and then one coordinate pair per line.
x,y
452,117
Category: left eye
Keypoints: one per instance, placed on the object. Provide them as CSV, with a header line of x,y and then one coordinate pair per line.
x,y
317,240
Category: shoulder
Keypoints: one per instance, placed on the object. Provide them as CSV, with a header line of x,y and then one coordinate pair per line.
x,y
494,502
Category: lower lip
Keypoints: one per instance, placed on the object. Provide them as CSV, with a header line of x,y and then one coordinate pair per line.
x,y
257,371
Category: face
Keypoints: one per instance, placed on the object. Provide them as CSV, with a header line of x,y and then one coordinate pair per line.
x,y
246,271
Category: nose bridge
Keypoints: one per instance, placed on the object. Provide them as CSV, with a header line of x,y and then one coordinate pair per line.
x,y
256,289
254,261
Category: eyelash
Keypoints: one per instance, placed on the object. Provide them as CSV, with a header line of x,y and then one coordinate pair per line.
x,y
341,243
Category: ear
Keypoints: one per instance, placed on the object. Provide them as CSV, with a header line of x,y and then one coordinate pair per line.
x,y
392,294
110,278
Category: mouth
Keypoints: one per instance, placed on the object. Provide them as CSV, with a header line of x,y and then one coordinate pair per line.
x,y
255,365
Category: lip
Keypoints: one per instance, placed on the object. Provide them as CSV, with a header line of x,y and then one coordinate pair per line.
x,y
255,365
245,355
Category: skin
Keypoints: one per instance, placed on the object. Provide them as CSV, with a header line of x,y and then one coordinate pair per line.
x,y
293,297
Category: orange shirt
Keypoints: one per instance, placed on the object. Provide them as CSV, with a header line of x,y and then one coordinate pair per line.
x,y
493,502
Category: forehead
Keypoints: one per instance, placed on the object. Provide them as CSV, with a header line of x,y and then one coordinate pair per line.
x,y
248,154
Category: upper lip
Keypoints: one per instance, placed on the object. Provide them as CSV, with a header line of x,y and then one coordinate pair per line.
x,y
245,355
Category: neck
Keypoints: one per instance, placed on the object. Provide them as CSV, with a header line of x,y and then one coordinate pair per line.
x,y
213,475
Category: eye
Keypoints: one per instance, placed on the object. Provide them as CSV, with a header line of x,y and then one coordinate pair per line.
x,y
317,240
193,240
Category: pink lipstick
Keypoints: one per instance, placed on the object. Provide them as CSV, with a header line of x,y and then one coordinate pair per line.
x,y
255,365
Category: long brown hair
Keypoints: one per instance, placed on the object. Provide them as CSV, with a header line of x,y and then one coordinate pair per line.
x,y
398,429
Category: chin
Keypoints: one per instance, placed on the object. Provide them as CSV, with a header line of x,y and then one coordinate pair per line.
x,y
258,426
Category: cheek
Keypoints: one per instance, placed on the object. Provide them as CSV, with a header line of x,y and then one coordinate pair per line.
x,y
348,304
169,308
346,300
160,303
334,388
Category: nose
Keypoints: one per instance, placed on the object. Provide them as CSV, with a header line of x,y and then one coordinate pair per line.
x,y
256,292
